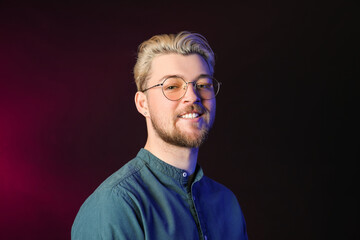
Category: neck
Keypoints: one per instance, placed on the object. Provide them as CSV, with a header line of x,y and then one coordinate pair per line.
x,y
180,157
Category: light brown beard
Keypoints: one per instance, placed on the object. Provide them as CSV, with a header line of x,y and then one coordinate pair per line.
x,y
178,137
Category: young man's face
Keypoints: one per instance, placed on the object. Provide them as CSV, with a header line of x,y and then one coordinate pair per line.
x,y
170,119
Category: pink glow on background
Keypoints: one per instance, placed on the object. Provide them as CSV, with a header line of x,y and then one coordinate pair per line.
x,y
34,189
58,101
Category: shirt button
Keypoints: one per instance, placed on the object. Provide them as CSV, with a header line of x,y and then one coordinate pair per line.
x,y
184,174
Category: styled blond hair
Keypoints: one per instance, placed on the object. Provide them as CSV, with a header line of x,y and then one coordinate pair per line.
x,y
184,43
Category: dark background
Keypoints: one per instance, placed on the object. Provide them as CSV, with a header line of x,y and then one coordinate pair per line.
x,y
284,140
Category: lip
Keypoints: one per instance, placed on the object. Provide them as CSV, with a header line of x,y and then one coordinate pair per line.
x,y
190,118
190,115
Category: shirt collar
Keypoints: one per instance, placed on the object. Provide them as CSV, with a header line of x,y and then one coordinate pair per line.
x,y
178,174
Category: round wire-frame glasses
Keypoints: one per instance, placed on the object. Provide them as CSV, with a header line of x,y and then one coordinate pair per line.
x,y
174,87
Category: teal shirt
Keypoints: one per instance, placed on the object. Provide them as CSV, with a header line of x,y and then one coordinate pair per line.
x,y
150,199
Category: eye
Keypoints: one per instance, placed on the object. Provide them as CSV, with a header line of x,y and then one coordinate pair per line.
x,y
204,86
173,84
171,87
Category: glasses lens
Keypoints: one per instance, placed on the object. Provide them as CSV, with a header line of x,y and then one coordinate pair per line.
x,y
174,88
207,87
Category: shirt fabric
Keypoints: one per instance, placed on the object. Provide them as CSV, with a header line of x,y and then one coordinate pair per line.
x,y
150,199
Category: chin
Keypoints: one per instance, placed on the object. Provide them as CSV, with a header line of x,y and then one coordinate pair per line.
x,y
193,140
182,136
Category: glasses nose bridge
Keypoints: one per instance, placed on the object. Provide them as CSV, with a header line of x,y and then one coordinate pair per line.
x,y
195,90
193,83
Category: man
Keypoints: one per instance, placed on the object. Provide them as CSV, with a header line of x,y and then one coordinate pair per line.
x,y
162,193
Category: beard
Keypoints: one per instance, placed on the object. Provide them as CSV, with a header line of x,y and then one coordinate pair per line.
x,y
181,138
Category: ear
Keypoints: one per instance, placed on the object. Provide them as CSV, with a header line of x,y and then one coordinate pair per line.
x,y
141,103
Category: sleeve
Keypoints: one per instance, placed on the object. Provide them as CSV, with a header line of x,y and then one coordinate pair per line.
x,y
107,215
236,214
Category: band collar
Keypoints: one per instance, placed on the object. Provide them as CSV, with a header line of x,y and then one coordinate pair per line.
x,y
157,164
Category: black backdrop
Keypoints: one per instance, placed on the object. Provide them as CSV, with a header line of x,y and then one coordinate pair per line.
x,y
284,139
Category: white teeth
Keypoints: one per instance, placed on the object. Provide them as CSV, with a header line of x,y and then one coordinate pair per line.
x,y
190,115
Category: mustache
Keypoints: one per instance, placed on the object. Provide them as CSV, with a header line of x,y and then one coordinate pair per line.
x,y
193,108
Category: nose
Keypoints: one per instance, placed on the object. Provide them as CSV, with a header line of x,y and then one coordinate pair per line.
x,y
191,94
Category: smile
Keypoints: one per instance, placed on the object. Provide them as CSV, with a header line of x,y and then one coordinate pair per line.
x,y
190,115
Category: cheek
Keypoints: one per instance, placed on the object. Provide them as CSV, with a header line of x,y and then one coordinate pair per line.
x,y
210,105
162,109
154,104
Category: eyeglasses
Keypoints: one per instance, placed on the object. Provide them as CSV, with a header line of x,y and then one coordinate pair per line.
x,y
174,87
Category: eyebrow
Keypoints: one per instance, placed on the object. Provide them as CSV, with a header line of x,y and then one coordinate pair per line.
x,y
169,76
203,75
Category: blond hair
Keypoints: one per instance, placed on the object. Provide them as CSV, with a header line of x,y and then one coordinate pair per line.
x,y
184,43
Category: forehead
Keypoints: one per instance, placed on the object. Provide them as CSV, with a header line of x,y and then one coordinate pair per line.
x,y
190,66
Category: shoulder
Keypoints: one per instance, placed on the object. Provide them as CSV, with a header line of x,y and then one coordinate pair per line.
x,y
216,194
113,198
123,176
118,184
208,184
221,203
